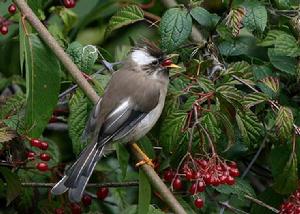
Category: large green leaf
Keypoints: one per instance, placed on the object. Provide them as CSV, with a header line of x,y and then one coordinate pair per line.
x,y
284,122
42,84
283,63
256,16
144,193
77,119
254,99
204,18
123,158
125,16
175,28
13,184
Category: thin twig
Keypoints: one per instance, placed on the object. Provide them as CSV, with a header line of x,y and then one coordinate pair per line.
x,y
261,203
97,185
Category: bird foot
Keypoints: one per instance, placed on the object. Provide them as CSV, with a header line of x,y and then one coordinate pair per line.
x,y
145,161
144,157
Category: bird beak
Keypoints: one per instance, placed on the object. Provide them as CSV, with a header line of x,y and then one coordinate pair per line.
x,y
172,66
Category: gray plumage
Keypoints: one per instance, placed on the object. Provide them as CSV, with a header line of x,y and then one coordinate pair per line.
x,y
132,103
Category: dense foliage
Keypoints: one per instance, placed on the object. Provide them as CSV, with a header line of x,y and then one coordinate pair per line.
x,y
227,139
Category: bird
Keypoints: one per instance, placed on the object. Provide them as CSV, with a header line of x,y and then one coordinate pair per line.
x,y
131,104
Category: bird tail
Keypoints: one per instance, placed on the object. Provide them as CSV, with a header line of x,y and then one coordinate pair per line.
x,y
77,176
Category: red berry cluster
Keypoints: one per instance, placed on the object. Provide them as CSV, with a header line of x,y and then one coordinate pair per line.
x,y
69,3
86,200
292,204
42,166
198,173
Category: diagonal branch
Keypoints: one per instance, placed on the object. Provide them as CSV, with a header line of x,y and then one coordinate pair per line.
x,y
154,179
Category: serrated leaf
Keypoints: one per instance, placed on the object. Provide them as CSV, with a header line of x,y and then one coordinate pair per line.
x,y
225,122
271,37
83,56
175,28
234,20
287,45
254,99
249,126
125,16
144,193
230,94
42,84
77,119
204,18
12,105
171,130
123,158
206,84
210,122
272,83
283,63
6,134
256,16
13,184
237,68
240,188
243,45
284,122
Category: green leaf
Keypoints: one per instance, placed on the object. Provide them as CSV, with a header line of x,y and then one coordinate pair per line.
x,y
249,126
254,99
123,158
240,188
171,130
77,119
204,18
285,44
68,17
243,45
225,122
210,122
144,193
83,56
175,28
125,16
256,16
42,84
230,94
284,122
287,182
185,205
283,63
13,184
272,83
12,105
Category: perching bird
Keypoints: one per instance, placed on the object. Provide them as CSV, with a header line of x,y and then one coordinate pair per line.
x,y
131,104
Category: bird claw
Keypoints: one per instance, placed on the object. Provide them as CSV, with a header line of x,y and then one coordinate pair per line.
x,y
145,161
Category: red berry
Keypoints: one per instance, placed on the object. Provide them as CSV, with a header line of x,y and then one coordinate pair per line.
x,y
207,178
59,211
35,142
169,175
44,145
189,175
86,200
30,155
199,203
196,175
203,163
192,189
42,166
45,157
223,179
75,208
232,164
12,8
234,172
69,3
230,180
177,184
201,186
215,181
4,29
102,193
166,62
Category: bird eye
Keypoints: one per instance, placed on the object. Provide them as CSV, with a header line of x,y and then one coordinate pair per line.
x,y
155,62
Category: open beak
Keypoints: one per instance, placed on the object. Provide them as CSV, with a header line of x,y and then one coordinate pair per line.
x,y
173,66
